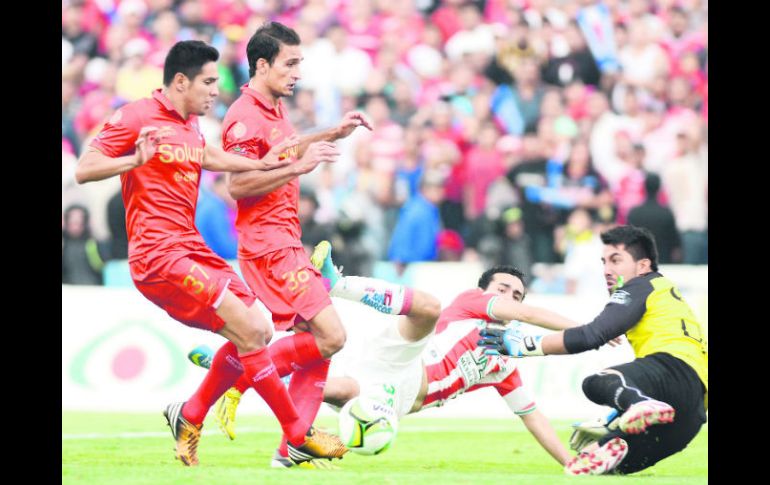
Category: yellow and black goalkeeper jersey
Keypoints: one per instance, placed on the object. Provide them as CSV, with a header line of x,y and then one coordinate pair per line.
x,y
654,317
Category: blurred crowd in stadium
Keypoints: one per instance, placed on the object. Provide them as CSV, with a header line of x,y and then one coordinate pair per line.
x,y
506,131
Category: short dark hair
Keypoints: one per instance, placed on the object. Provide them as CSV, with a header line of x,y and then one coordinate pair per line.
x,y
188,57
651,184
266,42
486,276
638,241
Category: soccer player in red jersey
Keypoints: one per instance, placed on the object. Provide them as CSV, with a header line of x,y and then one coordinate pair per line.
x,y
156,147
270,253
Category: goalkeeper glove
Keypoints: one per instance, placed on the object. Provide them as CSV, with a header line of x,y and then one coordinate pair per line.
x,y
510,341
589,432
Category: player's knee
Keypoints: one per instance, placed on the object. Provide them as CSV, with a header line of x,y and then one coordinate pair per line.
x,y
332,341
251,339
257,332
424,313
340,391
430,307
596,386
591,386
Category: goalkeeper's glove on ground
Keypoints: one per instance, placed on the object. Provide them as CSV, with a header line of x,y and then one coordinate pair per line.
x,y
589,432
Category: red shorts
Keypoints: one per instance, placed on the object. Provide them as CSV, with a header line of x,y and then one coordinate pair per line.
x,y
288,284
189,284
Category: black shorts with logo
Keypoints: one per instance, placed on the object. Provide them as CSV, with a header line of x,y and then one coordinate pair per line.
x,y
663,377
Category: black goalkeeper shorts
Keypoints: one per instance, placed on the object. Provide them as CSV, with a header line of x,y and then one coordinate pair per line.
x,y
663,377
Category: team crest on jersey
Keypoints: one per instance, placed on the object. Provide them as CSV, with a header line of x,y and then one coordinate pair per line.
x,y
238,130
621,297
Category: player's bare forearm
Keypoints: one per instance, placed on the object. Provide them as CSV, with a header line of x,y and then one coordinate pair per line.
x,y
513,310
254,183
541,429
554,344
329,135
94,165
258,182
350,121
217,160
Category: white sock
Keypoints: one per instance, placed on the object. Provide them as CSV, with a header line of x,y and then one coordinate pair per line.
x,y
384,297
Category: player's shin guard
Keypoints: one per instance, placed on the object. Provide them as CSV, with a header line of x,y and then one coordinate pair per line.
x,y
306,390
610,389
289,354
295,352
260,370
225,370
384,297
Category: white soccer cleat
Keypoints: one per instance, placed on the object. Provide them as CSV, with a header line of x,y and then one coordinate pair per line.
x,y
603,460
644,414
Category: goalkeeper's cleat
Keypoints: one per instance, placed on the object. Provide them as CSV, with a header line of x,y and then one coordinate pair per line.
x,y
280,461
318,444
644,414
201,356
185,433
322,260
601,461
224,411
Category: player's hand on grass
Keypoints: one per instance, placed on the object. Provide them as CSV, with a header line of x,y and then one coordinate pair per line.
x,y
589,432
510,341
148,141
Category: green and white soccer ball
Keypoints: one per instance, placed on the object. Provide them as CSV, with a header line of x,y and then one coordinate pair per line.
x,y
367,426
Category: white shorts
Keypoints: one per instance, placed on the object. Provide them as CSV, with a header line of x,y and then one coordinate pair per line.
x,y
388,367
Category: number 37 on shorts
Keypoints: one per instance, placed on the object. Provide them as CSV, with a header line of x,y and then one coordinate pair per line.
x,y
197,279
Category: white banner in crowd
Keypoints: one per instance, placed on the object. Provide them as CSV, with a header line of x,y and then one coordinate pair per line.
x,y
122,353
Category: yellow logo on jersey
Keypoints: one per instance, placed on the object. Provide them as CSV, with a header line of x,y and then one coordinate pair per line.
x,y
169,154
186,176
291,152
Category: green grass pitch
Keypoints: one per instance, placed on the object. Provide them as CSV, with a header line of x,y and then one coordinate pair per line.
x,y
137,449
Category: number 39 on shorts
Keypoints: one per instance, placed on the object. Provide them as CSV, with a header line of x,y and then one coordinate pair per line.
x,y
296,279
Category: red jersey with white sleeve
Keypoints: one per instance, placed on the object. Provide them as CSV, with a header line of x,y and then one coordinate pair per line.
x,y
456,364
251,127
159,196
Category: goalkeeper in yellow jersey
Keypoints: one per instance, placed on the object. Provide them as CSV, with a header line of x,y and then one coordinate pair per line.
x,y
661,396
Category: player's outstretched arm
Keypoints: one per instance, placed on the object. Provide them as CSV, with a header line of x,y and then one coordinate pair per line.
x,y
541,429
350,121
506,309
94,165
259,182
218,160
515,342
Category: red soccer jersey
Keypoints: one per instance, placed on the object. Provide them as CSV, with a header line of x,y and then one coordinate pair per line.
x,y
159,196
252,126
455,364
